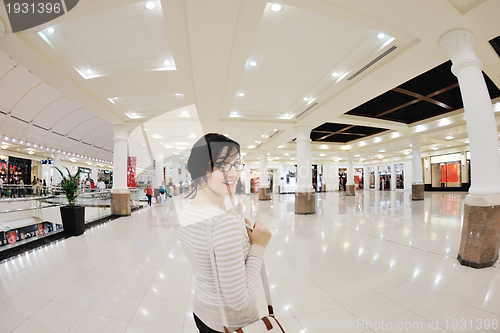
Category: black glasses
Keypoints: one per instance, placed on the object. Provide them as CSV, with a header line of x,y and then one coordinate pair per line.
x,y
226,166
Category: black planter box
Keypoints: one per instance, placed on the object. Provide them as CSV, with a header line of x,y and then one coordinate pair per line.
x,y
73,220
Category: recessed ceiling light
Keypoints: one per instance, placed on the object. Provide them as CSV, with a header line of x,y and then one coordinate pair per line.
x,y
253,63
150,5
6,138
88,70
167,62
380,35
381,151
335,74
305,99
241,94
13,140
449,137
275,8
31,152
51,30
177,94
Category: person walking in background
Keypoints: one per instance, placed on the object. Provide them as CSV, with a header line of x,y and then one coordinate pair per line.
x,y
149,192
21,188
162,193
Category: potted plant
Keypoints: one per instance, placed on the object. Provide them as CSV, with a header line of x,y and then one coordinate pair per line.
x,y
73,217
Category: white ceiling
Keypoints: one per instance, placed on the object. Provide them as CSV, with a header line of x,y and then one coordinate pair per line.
x,y
47,95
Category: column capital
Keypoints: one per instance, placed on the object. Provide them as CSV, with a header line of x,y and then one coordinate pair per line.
x,y
303,132
459,45
121,131
415,142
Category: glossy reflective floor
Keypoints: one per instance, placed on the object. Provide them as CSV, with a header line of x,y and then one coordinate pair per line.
x,y
376,262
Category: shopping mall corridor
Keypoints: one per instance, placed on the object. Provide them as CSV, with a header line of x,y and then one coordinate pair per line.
x,y
359,264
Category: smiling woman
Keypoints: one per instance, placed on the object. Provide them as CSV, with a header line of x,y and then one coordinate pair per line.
x,y
215,168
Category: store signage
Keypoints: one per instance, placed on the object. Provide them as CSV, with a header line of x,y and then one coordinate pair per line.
x,y
11,237
131,172
47,162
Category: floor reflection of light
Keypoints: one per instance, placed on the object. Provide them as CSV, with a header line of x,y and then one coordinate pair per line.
x,y
416,272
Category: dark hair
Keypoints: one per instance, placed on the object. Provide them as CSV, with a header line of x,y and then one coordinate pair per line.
x,y
205,154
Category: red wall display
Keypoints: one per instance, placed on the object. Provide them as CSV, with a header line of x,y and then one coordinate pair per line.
x,y
11,237
41,230
449,173
255,184
131,172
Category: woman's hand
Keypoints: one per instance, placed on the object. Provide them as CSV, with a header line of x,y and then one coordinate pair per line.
x,y
260,234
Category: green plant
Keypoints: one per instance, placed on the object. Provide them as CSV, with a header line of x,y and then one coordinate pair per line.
x,y
69,185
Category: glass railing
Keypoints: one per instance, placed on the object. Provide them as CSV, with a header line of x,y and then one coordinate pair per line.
x,y
26,219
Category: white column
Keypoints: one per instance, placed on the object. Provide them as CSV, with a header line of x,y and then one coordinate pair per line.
x,y
175,173
366,180
94,171
480,120
247,179
304,172
393,177
120,159
57,163
417,161
350,170
263,169
377,178
158,172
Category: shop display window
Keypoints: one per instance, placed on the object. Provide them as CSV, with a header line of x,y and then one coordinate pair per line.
x,y
399,177
446,174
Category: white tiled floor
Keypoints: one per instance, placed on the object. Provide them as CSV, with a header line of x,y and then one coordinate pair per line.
x,y
360,264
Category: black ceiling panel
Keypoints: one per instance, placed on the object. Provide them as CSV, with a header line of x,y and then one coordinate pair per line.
x,y
430,94
330,127
495,43
433,80
382,103
332,132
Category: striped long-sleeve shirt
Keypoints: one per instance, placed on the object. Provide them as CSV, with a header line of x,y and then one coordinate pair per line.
x,y
238,265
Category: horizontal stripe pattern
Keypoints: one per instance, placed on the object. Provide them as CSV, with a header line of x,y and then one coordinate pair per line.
x,y
239,273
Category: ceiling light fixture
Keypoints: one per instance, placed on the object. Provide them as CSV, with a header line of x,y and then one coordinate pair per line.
x,y
167,62
253,63
241,94
380,35
88,70
305,99
275,8
334,74
150,5
6,138
51,30
449,137
13,140
381,151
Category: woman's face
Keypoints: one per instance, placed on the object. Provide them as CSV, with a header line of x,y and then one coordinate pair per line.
x,y
224,183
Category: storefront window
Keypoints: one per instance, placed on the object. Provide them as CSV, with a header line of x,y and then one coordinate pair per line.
x,y
399,177
446,170
446,174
